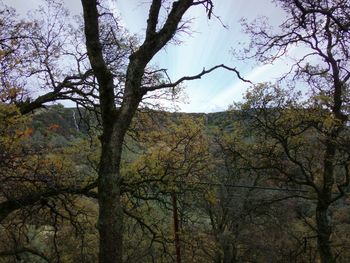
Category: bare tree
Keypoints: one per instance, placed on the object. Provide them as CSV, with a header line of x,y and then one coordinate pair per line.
x,y
321,28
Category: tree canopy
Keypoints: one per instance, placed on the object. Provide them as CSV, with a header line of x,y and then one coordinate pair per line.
x,y
118,179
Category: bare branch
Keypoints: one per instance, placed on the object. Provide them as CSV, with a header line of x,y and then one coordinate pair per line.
x,y
198,76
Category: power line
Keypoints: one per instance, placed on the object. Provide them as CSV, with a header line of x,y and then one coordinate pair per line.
x,y
254,187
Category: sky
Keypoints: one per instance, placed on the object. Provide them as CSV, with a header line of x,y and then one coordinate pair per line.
x,y
206,44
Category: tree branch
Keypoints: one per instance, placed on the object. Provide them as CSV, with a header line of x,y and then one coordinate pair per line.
x,y
153,18
9,206
198,76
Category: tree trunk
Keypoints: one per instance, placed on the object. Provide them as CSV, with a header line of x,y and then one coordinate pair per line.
x,y
110,221
115,125
176,229
324,232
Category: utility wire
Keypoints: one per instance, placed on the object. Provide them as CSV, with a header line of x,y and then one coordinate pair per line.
x,y
253,187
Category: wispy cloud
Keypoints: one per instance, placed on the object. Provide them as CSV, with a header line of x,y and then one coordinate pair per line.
x,y
235,92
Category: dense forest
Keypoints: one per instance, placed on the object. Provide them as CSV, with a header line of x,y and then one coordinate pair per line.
x,y
118,178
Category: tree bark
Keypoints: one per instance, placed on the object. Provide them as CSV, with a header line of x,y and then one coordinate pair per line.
x,y
176,229
110,221
324,229
324,233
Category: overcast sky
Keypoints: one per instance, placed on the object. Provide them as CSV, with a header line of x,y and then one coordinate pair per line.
x,y
208,44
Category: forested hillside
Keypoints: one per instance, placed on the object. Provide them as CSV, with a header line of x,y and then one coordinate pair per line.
x,y
188,188
125,176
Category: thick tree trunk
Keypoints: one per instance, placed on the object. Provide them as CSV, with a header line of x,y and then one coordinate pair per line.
x,y
110,221
324,233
